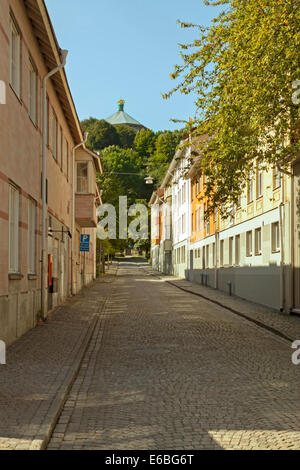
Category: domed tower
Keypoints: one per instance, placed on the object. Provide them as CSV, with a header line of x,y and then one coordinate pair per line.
x,y
120,117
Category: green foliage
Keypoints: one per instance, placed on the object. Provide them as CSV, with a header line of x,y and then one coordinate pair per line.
x,y
144,144
101,134
241,69
126,135
165,148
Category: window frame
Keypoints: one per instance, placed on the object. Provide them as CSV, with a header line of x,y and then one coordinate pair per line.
x,y
32,108
275,237
249,246
31,262
258,241
15,58
14,232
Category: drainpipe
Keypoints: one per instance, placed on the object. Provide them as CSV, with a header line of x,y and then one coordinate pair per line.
x,y
281,225
292,238
64,54
216,258
73,210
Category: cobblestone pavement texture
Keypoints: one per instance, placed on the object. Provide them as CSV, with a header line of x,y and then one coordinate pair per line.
x,y
288,325
168,370
40,367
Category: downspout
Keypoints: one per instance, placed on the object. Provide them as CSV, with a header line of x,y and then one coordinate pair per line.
x,y
64,54
216,258
73,210
292,238
281,225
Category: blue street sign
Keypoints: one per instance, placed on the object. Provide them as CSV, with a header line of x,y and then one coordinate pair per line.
x,y
84,242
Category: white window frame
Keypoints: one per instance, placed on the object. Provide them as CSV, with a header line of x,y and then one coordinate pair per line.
x,y
257,241
275,237
250,194
260,180
14,198
249,243
15,59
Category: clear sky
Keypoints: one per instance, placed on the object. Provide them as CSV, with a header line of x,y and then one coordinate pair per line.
x,y
127,49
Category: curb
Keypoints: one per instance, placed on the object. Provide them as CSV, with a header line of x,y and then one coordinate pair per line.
x,y
45,432
236,312
59,401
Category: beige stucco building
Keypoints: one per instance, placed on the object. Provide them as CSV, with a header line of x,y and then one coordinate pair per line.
x,y
28,51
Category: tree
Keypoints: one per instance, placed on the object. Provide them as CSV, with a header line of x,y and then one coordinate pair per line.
x,y
165,148
126,135
242,69
144,144
101,134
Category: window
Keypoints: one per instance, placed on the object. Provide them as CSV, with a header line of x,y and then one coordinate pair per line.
x,y
32,93
54,135
259,180
14,57
276,178
13,229
230,251
250,187
207,226
258,241
237,250
249,243
214,254
82,177
183,224
222,253
67,159
239,201
31,236
275,237
61,148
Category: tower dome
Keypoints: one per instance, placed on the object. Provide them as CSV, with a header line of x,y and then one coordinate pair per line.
x,y
120,117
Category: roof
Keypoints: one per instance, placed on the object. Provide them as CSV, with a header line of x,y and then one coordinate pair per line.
x,y
120,117
44,32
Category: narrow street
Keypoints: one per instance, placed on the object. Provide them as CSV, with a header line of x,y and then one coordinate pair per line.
x,y
167,370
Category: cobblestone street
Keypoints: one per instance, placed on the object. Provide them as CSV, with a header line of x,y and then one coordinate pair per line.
x,y
165,369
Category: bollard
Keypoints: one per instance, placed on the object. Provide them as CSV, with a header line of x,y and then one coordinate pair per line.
x,y
229,283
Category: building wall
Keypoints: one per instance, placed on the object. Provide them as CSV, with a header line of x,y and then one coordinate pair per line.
x,y
256,276
21,165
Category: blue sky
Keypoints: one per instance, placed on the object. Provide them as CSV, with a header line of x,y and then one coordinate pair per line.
x,y
126,49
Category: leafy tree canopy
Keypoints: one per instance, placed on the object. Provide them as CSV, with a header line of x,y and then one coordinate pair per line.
x,y
242,68
144,143
101,134
126,135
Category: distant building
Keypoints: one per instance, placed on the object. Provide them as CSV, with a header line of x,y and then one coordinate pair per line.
x,y
253,253
120,117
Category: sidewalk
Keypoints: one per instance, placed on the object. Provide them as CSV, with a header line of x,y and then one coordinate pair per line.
x,y
42,366
287,326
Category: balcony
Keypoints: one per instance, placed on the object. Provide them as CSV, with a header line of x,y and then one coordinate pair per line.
x,y
85,210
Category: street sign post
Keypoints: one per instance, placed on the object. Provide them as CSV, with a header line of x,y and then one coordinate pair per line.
x,y
84,243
